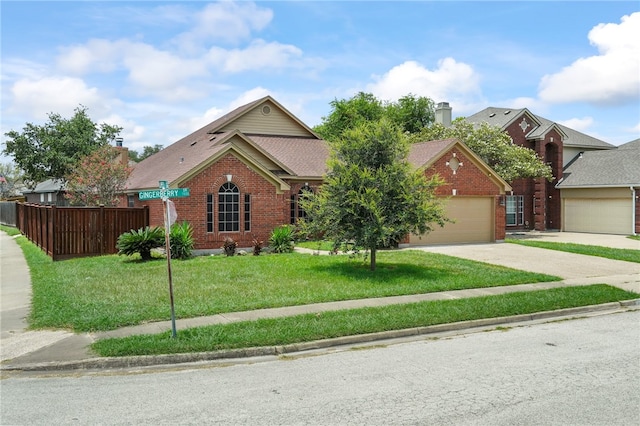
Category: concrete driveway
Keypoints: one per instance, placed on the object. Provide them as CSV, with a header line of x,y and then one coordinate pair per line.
x,y
569,266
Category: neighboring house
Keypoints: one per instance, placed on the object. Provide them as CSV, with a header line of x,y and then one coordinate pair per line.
x,y
246,170
600,191
476,194
535,203
49,192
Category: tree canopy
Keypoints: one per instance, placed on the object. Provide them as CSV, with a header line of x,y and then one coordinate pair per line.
x,y
409,113
493,145
98,178
51,151
371,196
415,116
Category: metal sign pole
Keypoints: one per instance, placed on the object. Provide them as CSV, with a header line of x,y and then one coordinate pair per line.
x,y
167,241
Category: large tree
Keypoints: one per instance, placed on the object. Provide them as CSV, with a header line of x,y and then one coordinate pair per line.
x,y
371,196
416,116
493,145
98,179
50,151
409,113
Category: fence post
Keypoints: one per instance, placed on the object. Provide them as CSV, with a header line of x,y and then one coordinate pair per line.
x,y
52,239
101,230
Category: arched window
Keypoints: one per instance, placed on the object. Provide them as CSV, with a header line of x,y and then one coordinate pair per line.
x,y
229,208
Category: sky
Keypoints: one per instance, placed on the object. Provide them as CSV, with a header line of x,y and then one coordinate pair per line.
x,y
161,70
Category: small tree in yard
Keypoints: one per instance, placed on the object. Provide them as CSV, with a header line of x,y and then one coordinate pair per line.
x,y
97,179
370,195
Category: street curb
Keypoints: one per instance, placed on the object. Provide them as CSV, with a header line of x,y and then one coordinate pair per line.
x,y
172,359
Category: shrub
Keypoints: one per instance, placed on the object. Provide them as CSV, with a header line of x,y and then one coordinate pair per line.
x,y
181,240
141,241
257,247
282,239
229,246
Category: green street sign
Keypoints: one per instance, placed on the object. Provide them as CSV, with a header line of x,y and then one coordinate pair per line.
x,y
154,194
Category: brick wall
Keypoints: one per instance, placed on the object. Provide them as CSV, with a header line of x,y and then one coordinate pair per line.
x,y
469,180
269,209
541,198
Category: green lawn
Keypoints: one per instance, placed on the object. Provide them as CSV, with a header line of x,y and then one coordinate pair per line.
x,y
304,328
627,255
104,293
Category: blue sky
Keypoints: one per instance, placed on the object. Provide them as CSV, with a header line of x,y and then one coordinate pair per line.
x,y
163,69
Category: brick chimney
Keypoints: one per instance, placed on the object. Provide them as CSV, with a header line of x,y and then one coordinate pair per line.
x,y
123,152
443,114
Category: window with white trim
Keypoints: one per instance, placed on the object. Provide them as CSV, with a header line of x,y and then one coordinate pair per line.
x,y
514,210
229,208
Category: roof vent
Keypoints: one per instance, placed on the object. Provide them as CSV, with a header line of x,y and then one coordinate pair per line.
x,y
493,114
266,110
507,112
193,143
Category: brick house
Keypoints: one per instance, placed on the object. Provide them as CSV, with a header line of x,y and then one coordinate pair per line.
x,y
535,203
246,170
600,191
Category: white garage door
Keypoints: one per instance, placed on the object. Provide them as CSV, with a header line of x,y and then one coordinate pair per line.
x,y
599,216
474,222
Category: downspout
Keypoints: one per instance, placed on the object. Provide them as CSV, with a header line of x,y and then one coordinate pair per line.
x,y
633,210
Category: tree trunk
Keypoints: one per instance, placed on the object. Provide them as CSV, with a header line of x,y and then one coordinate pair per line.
x,y
373,259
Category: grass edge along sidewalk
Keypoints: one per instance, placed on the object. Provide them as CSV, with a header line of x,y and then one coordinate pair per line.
x,y
333,324
627,255
109,292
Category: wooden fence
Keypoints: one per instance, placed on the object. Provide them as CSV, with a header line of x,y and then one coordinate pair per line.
x,y
68,232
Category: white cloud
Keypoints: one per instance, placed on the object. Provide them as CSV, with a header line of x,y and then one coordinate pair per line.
x,y
151,72
159,73
249,96
224,22
95,55
61,95
612,77
450,81
209,115
258,55
579,124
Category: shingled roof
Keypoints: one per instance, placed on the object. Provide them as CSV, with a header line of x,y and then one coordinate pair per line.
x,y
298,156
503,117
611,168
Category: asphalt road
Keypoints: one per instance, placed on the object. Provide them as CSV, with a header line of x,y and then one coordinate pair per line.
x,y
578,372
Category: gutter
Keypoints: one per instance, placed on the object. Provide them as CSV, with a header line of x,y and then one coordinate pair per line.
x,y
633,210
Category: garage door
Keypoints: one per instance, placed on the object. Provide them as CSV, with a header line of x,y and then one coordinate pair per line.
x,y
597,215
474,222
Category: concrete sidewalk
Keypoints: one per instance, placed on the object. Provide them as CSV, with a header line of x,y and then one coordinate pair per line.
x,y
51,350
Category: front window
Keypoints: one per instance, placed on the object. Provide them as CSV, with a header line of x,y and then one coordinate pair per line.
x,y
515,210
297,212
229,208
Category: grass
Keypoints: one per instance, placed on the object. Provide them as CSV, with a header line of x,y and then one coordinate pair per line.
x,y
10,230
627,255
303,328
322,245
108,292
634,237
